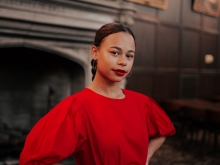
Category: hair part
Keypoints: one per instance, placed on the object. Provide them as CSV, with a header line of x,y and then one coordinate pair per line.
x,y
105,31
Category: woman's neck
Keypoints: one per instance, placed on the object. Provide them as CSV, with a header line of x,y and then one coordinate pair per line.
x,y
108,89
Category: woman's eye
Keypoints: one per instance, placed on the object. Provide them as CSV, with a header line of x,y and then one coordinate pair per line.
x,y
129,56
115,53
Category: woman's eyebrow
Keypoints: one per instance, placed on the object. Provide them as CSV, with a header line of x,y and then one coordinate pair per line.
x,y
118,48
131,51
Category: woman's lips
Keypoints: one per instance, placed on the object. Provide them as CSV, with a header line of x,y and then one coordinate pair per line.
x,y
120,72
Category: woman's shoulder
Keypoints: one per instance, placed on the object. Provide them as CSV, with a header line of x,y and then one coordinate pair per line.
x,y
80,95
136,94
76,97
76,102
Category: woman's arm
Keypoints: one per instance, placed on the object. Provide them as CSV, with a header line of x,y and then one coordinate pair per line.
x,y
55,136
154,145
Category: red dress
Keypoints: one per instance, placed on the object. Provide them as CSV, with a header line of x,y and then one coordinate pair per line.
x,y
97,130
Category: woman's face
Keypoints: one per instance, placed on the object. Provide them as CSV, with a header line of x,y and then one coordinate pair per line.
x,y
115,56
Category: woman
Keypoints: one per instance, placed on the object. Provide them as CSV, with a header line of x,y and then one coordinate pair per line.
x,y
102,124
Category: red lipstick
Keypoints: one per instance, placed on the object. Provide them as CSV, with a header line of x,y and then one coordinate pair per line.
x,y
119,72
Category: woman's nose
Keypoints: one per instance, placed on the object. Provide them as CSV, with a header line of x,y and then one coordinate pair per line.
x,y
122,61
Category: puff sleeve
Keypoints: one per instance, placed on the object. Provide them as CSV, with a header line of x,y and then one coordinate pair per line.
x,y
158,123
55,136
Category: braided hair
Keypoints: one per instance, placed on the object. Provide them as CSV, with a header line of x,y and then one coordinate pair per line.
x,y
103,32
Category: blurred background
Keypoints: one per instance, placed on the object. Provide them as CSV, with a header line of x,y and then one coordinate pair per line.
x,y
44,57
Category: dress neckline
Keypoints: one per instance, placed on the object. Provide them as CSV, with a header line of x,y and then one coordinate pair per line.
x,y
110,98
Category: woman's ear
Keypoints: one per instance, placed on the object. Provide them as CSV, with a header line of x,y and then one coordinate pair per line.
x,y
94,52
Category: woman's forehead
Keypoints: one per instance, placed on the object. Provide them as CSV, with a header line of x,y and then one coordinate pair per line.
x,y
120,38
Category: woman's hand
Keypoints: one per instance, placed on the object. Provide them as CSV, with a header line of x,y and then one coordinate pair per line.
x,y
154,145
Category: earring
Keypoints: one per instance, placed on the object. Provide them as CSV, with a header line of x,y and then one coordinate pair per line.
x,y
129,74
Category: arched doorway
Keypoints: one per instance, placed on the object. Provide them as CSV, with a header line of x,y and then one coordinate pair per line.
x,y
32,82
